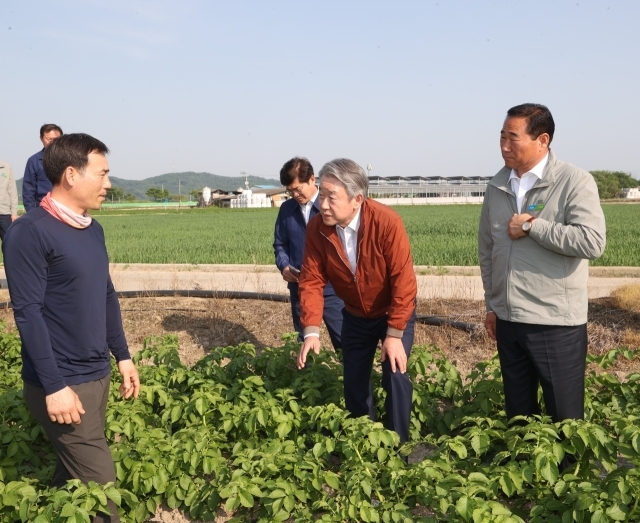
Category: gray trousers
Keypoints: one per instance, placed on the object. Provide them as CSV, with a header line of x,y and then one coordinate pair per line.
x,y
83,452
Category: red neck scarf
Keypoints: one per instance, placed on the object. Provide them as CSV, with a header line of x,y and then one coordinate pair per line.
x,y
64,214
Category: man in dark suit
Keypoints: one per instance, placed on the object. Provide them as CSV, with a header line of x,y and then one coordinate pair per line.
x,y
35,184
291,227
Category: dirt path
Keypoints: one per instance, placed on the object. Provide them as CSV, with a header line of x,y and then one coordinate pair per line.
x,y
463,283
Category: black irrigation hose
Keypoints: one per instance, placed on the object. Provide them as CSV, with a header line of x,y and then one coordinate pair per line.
x,y
238,295
438,321
233,295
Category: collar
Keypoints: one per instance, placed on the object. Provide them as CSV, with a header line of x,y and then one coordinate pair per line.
x,y
537,170
354,224
501,178
312,200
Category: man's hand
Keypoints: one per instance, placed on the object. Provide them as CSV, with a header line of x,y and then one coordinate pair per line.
x,y
310,343
130,379
514,229
490,324
64,406
393,349
14,217
288,275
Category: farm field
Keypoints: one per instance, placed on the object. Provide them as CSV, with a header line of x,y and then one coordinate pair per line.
x,y
246,436
439,235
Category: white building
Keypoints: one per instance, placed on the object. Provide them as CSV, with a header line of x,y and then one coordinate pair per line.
x,y
630,193
421,190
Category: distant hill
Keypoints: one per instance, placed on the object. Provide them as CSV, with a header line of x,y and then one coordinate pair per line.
x,y
188,182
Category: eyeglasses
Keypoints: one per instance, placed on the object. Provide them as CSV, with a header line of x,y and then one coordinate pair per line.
x,y
295,190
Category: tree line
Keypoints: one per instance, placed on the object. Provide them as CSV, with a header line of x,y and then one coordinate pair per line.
x,y
610,183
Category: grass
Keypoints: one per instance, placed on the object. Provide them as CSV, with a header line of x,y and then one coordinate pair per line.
x,y
440,235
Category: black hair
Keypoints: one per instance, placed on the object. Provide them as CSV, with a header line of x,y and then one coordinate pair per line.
x,y
70,150
539,119
48,127
299,168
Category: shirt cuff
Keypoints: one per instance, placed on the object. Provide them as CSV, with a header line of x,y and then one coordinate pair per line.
x,y
311,330
396,333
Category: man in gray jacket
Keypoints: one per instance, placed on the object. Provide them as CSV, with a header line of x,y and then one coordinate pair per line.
x,y
8,198
541,222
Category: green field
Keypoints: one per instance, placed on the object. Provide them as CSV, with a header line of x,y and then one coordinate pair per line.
x,y
251,434
440,235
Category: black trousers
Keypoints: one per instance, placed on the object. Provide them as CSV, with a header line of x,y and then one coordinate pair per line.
x,y
331,314
5,221
549,355
360,337
83,452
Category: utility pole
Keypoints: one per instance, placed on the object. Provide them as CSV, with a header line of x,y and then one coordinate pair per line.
x,y
179,195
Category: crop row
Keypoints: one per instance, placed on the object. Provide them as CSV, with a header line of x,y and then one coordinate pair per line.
x,y
439,235
267,442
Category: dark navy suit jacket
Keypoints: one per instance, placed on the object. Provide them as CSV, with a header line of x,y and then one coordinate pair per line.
x,y
35,184
288,243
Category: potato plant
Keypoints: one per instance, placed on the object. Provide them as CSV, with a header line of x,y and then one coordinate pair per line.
x,y
250,433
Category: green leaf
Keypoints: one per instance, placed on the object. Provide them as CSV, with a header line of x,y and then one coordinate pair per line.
x,y
478,477
254,490
618,512
464,507
458,448
507,485
383,454
332,480
550,471
480,443
277,493
200,406
246,499
284,429
68,510
175,413
261,416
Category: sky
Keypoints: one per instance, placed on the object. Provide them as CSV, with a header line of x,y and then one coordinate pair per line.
x,y
410,87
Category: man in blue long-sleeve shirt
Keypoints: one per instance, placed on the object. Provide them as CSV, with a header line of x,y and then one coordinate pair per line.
x,y
35,184
67,312
290,231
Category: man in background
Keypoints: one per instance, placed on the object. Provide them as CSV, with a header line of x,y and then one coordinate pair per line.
x,y
8,198
289,237
362,248
68,314
35,184
541,222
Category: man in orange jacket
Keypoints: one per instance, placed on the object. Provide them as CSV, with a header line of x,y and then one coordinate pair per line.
x,y
362,248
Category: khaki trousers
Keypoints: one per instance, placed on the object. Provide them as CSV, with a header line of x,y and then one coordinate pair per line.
x,y
83,452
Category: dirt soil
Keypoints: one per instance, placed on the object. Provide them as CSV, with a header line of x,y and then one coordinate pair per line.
x,y
202,323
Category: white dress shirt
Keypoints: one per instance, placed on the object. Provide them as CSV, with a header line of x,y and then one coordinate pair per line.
x,y
306,208
349,238
521,185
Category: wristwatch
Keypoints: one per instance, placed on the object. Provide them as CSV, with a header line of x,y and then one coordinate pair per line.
x,y
526,226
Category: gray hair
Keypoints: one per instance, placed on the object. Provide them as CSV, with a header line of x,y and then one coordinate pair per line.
x,y
349,174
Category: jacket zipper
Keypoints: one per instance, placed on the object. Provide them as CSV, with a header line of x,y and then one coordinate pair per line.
x,y
346,263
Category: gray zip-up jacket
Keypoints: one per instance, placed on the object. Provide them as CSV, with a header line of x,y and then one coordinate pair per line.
x,y
8,190
541,278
